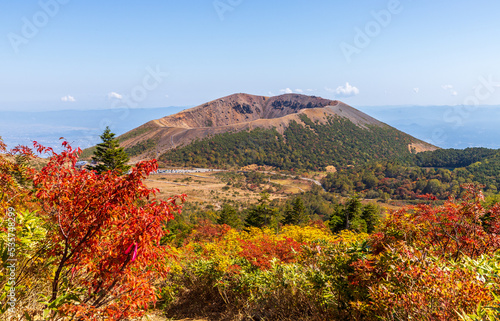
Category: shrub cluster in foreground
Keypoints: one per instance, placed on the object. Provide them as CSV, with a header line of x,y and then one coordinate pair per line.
x,y
425,263
76,244
88,246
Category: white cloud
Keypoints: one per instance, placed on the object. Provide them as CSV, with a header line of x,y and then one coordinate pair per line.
x,y
449,88
286,91
114,95
346,91
68,98
310,90
300,91
416,90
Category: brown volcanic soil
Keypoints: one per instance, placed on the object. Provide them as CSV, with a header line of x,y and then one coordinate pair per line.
x,y
241,112
241,108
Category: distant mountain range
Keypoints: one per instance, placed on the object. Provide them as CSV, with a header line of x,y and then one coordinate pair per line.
x,y
80,127
287,131
443,126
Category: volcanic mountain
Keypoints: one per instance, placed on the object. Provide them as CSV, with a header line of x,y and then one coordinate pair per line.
x,y
241,129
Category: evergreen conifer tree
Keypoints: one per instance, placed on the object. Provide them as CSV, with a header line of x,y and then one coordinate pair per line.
x,y
288,220
109,156
262,214
371,215
353,215
296,214
228,215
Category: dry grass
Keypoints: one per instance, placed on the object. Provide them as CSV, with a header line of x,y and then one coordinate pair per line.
x,y
205,187
157,317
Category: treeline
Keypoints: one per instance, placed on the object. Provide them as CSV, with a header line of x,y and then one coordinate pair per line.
x,y
407,180
453,158
307,208
312,146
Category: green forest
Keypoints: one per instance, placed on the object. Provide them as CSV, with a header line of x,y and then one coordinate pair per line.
x,y
440,173
312,146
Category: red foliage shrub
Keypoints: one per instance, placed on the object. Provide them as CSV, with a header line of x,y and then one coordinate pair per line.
x,y
454,229
105,233
260,252
412,272
403,284
206,231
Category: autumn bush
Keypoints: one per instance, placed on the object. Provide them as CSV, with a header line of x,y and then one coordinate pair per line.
x,y
92,246
87,245
259,273
425,262
422,261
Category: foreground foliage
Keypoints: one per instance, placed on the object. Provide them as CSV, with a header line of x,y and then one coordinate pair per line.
x,y
86,244
424,263
91,246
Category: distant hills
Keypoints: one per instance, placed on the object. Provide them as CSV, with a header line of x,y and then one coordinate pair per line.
x,y
434,124
80,127
456,127
288,131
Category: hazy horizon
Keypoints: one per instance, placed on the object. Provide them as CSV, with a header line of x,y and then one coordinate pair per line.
x,y
443,126
59,54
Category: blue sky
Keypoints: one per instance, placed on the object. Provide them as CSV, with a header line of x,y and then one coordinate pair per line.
x,y
68,54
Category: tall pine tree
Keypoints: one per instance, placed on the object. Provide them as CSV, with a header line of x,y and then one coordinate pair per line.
x,y
228,215
296,214
109,156
262,214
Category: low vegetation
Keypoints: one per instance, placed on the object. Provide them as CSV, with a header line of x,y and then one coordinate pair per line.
x,y
423,262
103,246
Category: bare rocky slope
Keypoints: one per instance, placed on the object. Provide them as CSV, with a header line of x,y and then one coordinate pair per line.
x,y
243,112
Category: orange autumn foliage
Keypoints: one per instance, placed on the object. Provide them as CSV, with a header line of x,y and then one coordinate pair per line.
x,y
105,231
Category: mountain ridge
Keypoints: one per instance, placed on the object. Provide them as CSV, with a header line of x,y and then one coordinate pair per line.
x,y
242,112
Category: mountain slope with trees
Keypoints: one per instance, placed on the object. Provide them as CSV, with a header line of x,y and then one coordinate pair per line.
x,y
288,131
305,145
440,173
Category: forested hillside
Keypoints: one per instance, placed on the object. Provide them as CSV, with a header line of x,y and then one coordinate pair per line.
x,y
236,113
312,146
440,173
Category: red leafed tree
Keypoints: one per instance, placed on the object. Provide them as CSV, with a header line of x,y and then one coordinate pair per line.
x,y
451,230
261,252
105,235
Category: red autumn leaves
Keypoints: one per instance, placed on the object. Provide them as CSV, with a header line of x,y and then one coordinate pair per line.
x,y
104,231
